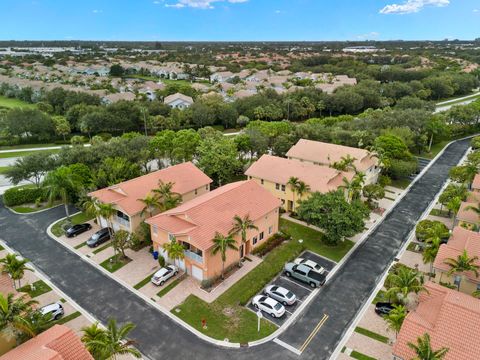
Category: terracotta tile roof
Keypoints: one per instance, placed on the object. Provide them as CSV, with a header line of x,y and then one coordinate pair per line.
x,y
56,343
6,284
201,217
171,98
470,216
476,182
280,170
461,239
327,154
451,318
186,177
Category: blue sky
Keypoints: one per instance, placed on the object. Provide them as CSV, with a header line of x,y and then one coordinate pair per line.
x,y
238,20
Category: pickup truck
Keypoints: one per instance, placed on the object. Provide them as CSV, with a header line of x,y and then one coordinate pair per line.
x,y
305,274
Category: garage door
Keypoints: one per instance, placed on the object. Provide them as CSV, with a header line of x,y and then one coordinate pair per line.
x,y
103,222
197,273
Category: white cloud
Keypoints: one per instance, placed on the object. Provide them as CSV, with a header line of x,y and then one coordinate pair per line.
x,y
97,11
369,36
412,6
476,10
200,4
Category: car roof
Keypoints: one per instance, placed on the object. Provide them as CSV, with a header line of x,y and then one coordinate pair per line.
x,y
303,267
49,308
161,272
270,301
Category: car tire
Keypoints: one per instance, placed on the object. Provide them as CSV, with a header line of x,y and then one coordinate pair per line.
x,y
74,235
288,273
162,282
313,285
256,306
284,303
273,315
58,316
175,273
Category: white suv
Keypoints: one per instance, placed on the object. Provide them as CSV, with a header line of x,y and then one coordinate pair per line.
x,y
162,275
55,310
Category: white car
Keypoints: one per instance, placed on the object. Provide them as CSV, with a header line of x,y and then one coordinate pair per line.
x,y
55,310
269,305
162,275
311,264
285,296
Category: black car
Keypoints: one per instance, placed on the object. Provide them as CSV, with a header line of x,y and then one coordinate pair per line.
x,y
383,308
99,237
77,229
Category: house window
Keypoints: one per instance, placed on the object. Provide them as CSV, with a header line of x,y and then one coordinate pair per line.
x,y
261,181
206,187
270,229
196,191
255,240
283,187
155,229
277,186
261,235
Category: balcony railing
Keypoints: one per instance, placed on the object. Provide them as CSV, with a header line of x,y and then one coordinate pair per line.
x,y
194,256
122,221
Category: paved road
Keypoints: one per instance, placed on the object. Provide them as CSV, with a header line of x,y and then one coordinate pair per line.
x,y
161,338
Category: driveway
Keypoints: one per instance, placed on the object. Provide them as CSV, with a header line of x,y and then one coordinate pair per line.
x,y
317,331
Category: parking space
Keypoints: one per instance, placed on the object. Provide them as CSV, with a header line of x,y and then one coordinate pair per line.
x,y
300,289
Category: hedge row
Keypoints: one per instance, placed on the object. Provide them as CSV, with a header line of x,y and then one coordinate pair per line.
x,y
269,245
19,196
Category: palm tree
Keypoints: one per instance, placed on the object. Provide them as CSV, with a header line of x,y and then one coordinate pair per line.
x,y
241,226
90,206
404,282
112,342
293,183
395,318
34,323
11,309
345,164
348,186
453,206
168,199
357,184
151,203
107,211
222,244
424,351
430,252
174,250
302,189
462,264
15,267
60,183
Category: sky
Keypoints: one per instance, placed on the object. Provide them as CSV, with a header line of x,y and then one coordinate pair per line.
x,y
239,20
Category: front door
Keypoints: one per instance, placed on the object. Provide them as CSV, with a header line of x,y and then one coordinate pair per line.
x,y
290,205
242,251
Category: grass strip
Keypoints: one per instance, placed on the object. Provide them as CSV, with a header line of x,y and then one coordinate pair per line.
x,y
101,248
68,318
80,245
39,288
143,282
372,334
170,286
359,356
111,265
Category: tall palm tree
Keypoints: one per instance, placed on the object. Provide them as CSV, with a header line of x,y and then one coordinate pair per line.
x,y
15,267
241,226
175,250
12,308
302,189
150,202
357,184
293,183
167,197
221,244
348,187
404,282
60,183
395,318
462,264
346,163
430,252
453,206
113,341
107,211
424,351
94,335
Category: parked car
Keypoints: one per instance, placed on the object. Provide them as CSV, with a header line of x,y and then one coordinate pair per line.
x,y
164,274
285,296
268,305
383,308
55,310
311,264
305,274
77,229
99,237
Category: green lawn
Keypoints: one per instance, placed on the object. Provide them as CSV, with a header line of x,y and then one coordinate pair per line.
x,y
360,356
226,316
28,146
25,153
401,183
13,103
143,282
40,288
3,169
101,248
371,334
68,318
170,286
76,219
113,265
81,245
30,208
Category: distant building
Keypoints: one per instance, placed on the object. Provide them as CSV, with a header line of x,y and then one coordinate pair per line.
x,y
178,101
360,49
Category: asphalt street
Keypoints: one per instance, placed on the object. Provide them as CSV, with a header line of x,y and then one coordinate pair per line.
x,y
161,338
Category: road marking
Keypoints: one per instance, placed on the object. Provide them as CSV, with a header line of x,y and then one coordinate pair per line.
x,y
314,332
287,346
293,282
288,312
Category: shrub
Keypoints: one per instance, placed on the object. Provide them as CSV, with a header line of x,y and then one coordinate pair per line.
x,y
269,245
476,143
78,140
19,196
161,261
384,180
424,228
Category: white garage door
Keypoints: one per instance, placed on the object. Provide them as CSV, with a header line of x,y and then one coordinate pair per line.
x,y
103,222
197,273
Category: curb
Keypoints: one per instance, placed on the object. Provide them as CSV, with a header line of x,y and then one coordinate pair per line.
x,y
33,212
364,308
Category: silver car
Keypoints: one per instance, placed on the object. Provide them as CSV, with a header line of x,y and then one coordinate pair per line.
x,y
282,295
55,310
162,275
311,264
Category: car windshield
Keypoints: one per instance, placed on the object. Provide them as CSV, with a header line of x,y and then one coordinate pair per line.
x,y
95,236
318,267
274,288
289,295
161,273
278,306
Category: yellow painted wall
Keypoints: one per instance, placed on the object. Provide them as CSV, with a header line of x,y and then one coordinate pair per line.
x,y
285,196
466,286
